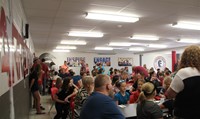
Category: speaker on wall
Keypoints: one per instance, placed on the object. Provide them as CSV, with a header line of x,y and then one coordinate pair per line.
x,y
26,35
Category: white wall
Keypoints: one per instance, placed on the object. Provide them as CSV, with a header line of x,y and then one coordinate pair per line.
x,y
89,57
14,15
148,58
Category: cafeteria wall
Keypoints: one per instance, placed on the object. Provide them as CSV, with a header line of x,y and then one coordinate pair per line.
x,y
150,58
16,59
89,57
147,58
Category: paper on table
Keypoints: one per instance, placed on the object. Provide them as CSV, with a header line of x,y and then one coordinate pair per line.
x,y
122,106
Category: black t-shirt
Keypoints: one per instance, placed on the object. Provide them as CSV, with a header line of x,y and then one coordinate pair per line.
x,y
169,104
64,93
35,86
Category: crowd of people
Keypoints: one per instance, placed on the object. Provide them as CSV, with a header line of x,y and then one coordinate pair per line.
x,y
96,94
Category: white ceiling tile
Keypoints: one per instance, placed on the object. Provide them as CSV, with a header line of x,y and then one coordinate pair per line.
x,y
51,20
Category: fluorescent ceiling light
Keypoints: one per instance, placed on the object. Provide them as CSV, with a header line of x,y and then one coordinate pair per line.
x,y
187,25
119,44
85,34
144,37
111,17
103,48
136,49
188,40
73,42
57,50
66,47
156,46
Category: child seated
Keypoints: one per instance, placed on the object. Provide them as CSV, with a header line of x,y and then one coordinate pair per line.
x,y
122,97
146,108
137,92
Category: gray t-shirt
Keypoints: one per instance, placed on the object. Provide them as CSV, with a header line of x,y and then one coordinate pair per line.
x,y
149,110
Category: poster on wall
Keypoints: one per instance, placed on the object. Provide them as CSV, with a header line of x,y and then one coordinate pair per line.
x,y
125,61
75,61
159,63
104,61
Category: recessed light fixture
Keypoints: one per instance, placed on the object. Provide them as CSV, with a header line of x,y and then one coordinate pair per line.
x,y
73,42
103,48
85,34
66,47
136,49
144,37
188,40
111,17
157,46
119,44
58,50
187,25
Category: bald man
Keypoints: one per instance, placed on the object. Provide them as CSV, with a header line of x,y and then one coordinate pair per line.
x,y
99,105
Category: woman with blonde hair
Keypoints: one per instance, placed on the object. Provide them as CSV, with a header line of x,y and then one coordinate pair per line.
x,y
146,108
83,93
185,85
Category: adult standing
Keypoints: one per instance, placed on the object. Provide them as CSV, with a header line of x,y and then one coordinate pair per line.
x,y
34,87
65,67
185,85
45,76
99,105
83,67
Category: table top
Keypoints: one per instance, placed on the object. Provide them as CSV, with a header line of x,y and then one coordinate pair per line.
x,y
128,110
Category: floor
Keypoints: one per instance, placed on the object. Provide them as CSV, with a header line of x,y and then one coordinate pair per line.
x,y
46,103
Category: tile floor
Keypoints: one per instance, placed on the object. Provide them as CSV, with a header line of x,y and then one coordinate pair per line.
x,y
46,103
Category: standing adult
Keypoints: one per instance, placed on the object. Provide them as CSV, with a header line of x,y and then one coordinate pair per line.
x,y
83,67
65,67
185,85
34,87
45,76
99,105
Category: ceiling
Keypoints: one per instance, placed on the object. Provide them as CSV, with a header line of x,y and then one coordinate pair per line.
x,y
51,20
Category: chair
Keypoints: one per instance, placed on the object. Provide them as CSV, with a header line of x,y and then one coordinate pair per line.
x,y
53,83
54,90
72,106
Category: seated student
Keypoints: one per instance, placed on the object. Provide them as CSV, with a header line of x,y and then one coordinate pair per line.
x,y
124,76
99,105
53,81
62,98
138,75
166,83
83,94
153,78
146,108
137,92
58,84
169,103
114,80
122,97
